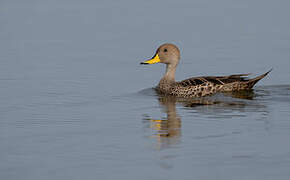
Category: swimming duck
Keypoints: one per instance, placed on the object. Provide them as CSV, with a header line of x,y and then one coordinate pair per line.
x,y
169,54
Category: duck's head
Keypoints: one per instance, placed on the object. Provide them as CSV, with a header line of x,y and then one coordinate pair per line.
x,y
166,53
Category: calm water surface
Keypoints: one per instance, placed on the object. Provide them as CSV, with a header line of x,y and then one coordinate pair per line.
x,y
76,104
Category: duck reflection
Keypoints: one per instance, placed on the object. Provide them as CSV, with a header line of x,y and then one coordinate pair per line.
x,y
167,131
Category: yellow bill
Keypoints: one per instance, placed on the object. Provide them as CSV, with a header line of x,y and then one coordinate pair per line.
x,y
154,60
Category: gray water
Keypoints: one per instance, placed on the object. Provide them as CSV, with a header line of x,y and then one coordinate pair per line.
x,y
76,104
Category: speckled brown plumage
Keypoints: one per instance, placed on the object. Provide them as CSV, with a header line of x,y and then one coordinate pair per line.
x,y
208,85
169,54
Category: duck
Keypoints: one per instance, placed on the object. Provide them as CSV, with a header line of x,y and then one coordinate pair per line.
x,y
169,54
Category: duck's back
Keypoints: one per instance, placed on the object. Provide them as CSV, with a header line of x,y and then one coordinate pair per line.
x,y
208,85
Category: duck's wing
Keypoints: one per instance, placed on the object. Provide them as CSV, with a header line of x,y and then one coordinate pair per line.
x,y
217,80
222,80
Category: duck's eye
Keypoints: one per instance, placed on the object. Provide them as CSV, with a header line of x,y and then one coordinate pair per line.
x,y
165,50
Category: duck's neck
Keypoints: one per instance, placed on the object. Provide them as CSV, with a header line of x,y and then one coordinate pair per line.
x,y
170,73
168,80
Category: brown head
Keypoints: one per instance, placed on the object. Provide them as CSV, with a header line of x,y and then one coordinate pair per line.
x,y
166,53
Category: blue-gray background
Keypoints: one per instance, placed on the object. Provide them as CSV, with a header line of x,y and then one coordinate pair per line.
x,y
70,77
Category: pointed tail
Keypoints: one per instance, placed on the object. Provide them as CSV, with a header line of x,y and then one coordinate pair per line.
x,y
252,82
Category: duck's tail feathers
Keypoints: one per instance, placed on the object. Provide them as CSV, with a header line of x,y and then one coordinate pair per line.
x,y
252,82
